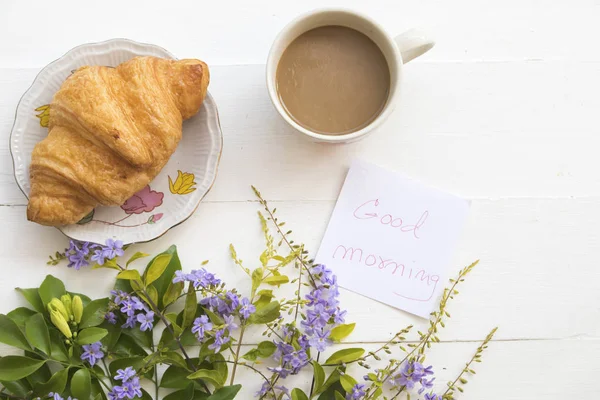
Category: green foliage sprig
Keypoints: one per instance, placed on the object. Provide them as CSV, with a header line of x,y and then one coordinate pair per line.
x,y
73,346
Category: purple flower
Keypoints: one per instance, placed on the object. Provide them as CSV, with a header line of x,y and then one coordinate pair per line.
x,y
125,374
246,308
230,324
411,372
234,300
432,397
113,248
220,340
92,353
203,279
180,276
285,391
130,323
146,321
357,392
200,326
321,340
110,317
77,254
98,256
426,384
281,371
266,387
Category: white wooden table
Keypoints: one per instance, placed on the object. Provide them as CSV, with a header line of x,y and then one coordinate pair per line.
x,y
504,111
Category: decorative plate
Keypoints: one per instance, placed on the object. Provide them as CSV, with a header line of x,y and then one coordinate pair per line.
x,y
171,197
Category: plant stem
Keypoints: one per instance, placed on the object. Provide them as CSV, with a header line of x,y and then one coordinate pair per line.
x,y
312,384
237,353
250,367
467,368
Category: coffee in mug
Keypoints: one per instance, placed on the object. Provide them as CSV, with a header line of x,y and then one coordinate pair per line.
x,y
333,80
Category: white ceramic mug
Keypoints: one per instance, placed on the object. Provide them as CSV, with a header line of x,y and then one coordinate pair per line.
x,y
397,51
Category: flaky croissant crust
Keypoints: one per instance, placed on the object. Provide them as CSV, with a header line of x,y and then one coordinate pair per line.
x,y
111,131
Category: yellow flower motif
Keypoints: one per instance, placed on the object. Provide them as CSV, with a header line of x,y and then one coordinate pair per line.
x,y
183,184
44,115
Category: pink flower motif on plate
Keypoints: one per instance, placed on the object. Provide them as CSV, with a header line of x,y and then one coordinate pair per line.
x,y
145,200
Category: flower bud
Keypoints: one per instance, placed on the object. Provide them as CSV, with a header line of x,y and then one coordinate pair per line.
x,y
61,323
77,309
57,305
66,300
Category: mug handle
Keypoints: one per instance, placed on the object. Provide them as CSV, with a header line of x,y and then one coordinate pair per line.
x,y
413,43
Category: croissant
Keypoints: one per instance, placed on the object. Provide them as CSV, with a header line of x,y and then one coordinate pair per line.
x,y
111,131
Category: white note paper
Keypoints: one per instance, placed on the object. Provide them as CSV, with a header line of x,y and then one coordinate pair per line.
x,y
391,238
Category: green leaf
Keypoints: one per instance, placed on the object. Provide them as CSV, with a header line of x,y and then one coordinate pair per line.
x,y
265,314
37,334
93,313
347,382
40,376
173,292
277,280
57,346
214,318
342,331
169,357
56,383
153,294
19,388
13,368
377,393
298,394
220,366
122,363
130,275
339,396
184,394
265,297
332,379
126,345
266,349
144,339
33,297
319,375
257,276
51,288
345,356
211,376
20,316
136,256
81,384
225,393
11,335
91,335
175,378
191,305
162,283
157,267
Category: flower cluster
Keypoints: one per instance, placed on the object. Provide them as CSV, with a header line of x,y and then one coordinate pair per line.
x,y
321,313
322,308
200,278
80,254
225,304
92,353
130,387
66,313
411,373
291,361
132,308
